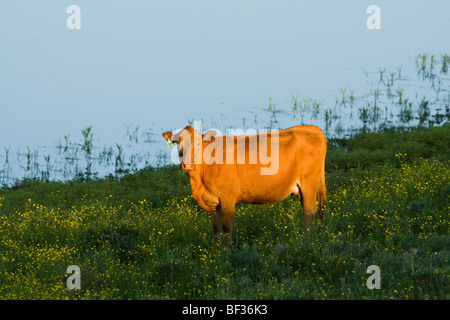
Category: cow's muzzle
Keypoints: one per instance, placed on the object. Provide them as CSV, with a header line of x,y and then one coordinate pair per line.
x,y
187,167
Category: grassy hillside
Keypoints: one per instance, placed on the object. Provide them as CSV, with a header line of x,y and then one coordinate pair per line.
x,y
144,237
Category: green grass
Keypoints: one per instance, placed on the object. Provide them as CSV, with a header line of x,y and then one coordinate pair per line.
x,y
144,237
367,149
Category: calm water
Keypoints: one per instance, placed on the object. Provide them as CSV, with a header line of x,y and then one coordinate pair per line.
x,y
144,67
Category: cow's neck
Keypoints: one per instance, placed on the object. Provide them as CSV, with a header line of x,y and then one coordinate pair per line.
x,y
198,188
195,179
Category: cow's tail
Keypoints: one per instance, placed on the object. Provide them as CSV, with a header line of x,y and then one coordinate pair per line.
x,y
322,195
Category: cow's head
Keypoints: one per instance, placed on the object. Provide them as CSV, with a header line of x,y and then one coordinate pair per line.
x,y
189,145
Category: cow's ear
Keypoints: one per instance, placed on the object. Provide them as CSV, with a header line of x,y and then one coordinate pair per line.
x,y
167,135
209,135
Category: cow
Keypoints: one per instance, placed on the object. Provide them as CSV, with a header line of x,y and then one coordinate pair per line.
x,y
262,168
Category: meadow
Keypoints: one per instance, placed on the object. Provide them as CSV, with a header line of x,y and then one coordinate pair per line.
x,y
142,236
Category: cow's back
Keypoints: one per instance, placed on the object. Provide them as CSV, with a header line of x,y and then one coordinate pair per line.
x,y
301,151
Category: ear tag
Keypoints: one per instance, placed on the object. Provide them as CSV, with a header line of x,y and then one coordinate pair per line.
x,y
169,142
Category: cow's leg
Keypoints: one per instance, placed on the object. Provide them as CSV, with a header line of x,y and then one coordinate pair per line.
x,y
216,219
227,222
308,199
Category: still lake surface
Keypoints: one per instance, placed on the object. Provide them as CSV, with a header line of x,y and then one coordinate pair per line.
x,y
138,68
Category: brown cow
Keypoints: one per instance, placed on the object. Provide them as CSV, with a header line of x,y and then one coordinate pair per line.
x,y
258,169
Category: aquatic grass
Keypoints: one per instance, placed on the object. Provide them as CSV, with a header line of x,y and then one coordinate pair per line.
x,y
295,104
315,109
6,163
400,96
406,114
421,61
445,60
88,137
364,114
343,96
376,95
132,134
389,88
271,106
381,72
328,119
66,140
423,111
